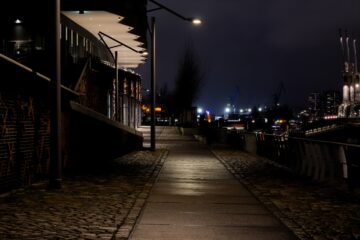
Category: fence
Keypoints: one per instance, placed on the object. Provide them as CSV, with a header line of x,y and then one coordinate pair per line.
x,y
320,160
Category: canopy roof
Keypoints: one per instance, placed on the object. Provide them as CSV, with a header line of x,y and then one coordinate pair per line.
x,y
105,31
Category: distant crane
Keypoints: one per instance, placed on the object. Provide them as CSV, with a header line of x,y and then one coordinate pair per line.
x,y
278,93
233,98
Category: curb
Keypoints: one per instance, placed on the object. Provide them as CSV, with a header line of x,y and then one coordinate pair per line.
x,y
126,227
269,205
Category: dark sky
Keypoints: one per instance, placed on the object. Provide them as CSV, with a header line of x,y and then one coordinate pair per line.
x,y
253,45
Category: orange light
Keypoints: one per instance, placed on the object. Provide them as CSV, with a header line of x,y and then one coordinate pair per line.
x,y
158,109
145,108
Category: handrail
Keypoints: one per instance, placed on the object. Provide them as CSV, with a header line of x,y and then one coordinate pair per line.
x,y
30,70
326,142
312,140
23,66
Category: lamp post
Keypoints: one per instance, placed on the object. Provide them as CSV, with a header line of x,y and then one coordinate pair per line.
x,y
153,85
152,29
55,155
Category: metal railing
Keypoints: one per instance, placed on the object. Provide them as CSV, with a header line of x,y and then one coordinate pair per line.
x,y
322,161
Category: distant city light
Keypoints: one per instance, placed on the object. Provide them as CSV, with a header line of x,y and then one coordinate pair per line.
x,y
249,110
18,21
227,110
329,117
200,110
208,116
260,109
241,110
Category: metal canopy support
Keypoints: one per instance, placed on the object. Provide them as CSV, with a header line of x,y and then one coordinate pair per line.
x,y
101,34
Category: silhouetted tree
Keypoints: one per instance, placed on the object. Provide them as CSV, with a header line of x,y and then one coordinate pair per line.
x,y
188,80
165,99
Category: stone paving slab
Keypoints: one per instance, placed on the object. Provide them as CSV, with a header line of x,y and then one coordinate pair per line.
x,y
107,206
196,232
195,197
312,210
101,205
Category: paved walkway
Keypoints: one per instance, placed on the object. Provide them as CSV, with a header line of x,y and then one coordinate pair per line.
x,y
97,205
313,210
195,197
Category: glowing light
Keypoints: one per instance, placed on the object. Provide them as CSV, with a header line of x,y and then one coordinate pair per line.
x,y
18,21
200,110
249,110
158,109
241,110
227,110
260,109
196,21
346,92
357,85
208,116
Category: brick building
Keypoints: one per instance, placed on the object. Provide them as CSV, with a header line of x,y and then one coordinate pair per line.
x,y
101,94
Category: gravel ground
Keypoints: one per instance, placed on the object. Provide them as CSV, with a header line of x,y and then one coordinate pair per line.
x,y
312,210
101,205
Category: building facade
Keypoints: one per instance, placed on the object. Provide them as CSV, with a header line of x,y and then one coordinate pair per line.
x,y
100,89
350,106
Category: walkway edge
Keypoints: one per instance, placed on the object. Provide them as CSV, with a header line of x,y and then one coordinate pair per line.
x,y
125,228
269,205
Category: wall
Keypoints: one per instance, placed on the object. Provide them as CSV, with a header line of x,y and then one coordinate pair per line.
x,y
94,139
89,138
24,132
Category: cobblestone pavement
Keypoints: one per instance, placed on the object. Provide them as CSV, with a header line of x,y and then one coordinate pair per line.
x,y
312,210
104,205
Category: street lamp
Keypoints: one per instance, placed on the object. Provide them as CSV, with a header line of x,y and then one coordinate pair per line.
x,y
195,21
55,123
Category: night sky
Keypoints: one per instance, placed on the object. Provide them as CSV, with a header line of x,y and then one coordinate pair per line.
x,y
254,45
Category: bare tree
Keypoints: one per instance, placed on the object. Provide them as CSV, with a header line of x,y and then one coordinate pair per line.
x,y
188,80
